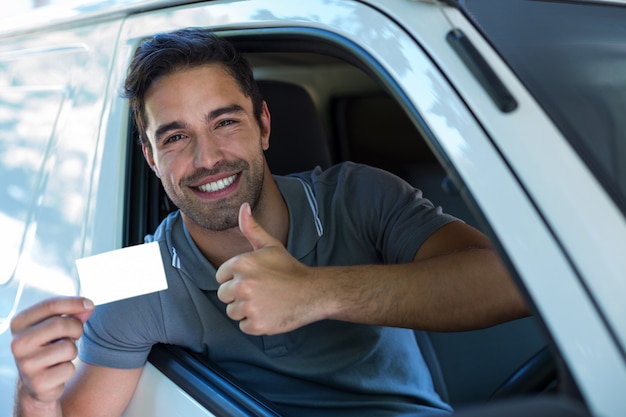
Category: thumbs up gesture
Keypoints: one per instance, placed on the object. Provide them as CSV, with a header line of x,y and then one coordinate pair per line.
x,y
266,290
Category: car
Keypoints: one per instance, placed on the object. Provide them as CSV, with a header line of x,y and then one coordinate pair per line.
x,y
508,114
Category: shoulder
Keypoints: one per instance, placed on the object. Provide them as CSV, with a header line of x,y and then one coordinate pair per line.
x,y
354,177
120,334
338,171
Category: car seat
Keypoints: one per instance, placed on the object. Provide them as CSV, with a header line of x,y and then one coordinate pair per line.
x,y
297,139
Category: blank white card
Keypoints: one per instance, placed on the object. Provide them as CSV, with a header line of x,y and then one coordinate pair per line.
x,y
122,273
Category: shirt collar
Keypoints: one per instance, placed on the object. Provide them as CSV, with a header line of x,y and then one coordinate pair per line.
x,y
305,225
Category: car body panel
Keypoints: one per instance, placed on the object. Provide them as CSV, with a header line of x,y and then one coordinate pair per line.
x,y
158,396
52,97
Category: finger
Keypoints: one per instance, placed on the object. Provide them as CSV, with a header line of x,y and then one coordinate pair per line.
x,y
244,326
224,272
256,235
248,327
234,312
78,306
44,333
224,293
50,355
49,384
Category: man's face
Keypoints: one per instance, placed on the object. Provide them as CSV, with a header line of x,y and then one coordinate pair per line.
x,y
207,146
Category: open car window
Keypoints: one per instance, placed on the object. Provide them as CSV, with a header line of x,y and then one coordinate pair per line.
x,y
352,112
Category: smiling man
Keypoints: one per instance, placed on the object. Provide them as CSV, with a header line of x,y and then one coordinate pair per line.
x,y
210,157
304,287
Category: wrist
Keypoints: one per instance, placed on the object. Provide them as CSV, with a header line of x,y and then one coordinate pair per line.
x,y
325,286
26,405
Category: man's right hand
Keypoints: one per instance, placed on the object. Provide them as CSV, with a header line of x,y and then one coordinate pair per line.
x,y
44,345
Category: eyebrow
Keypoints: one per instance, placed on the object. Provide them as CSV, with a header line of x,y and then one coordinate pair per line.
x,y
233,108
161,130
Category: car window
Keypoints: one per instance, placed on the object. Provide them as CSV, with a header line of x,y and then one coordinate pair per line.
x,y
570,55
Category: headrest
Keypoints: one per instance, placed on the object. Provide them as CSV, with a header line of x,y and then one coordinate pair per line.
x,y
297,139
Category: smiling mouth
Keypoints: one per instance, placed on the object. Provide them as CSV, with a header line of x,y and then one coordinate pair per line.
x,y
218,185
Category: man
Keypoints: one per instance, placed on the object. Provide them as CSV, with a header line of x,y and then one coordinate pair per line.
x,y
303,287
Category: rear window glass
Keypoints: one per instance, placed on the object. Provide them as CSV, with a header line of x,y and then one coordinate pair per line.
x,y
571,55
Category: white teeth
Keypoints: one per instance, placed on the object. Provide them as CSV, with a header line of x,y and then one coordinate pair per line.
x,y
217,185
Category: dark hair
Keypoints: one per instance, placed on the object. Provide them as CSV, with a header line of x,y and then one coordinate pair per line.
x,y
167,53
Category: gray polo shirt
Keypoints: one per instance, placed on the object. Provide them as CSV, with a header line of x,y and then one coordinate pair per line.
x,y
349,214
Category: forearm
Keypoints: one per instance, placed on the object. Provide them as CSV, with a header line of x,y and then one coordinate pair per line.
x,y
459,291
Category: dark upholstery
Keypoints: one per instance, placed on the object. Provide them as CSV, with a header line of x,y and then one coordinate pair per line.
x,y
297,139
375,130
541,406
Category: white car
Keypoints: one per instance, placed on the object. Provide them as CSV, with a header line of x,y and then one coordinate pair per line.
x,y
508,113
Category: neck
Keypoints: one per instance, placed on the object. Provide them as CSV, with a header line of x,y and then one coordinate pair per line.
x,y
271,213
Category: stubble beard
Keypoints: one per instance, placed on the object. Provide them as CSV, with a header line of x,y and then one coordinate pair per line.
x,y
220,215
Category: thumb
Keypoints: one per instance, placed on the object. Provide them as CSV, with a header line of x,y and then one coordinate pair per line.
x,y
256,235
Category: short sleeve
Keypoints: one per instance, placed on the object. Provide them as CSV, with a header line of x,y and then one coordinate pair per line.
x,y
121,334
386,211
407,218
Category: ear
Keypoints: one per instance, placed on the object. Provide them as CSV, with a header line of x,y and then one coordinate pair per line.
x,y
265,127
147,153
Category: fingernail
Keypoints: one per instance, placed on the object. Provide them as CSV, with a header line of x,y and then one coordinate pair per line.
x,y
88,304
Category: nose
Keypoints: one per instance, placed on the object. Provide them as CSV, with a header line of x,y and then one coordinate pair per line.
x,y
207,152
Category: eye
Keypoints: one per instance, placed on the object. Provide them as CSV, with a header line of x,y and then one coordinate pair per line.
x,y
226,123
174,138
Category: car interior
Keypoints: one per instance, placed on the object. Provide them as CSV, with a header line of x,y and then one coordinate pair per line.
x,y
330,103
